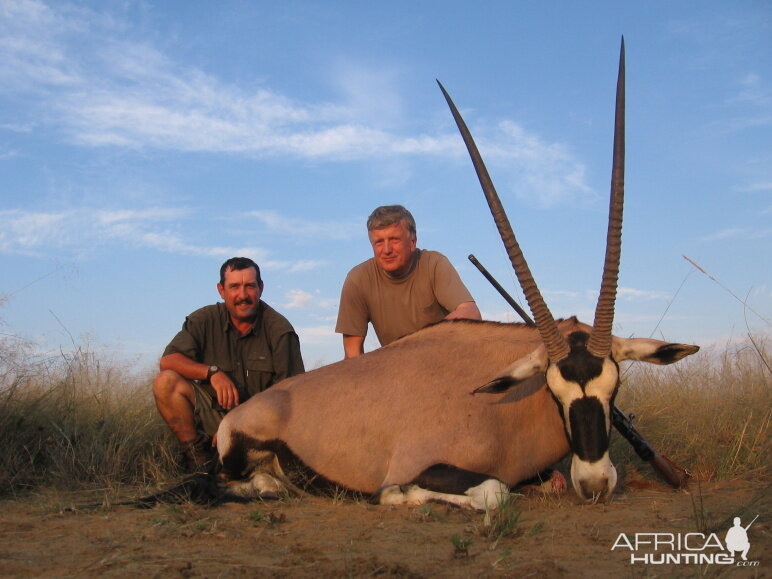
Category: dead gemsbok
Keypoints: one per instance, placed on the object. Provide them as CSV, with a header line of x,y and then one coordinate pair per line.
x,y
458,411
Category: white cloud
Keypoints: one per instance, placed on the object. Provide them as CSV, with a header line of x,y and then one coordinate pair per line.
x,y
150,214
26,232
591,296
32,57
294,266
312,335
117,92
729,233
763,187
636,295
296,227
557,294
18,127
327,304
545,172
370,95
754,91
745,233
84,231
752,104
298,298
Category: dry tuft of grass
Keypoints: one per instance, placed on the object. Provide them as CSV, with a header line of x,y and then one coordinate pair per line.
x,y
709,413
72,421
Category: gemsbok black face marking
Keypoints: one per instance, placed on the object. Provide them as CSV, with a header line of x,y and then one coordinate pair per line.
x,y
580,366
588,425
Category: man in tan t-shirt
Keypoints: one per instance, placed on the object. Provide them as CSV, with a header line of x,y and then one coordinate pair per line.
x,y
401,288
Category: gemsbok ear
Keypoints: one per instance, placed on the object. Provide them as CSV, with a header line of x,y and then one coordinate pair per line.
x,y
497,385
648,350
518,372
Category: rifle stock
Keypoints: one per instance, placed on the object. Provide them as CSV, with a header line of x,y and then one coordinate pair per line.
x,y
674,475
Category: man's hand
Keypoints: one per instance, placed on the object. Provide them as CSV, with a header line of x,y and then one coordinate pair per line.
x,y
467,310
227,394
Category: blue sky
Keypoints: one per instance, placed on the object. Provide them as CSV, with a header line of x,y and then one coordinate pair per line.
x,y
143,143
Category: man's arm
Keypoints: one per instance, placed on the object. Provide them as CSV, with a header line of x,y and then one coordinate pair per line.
x,y
184,366
353,346
450,290
467,310
353,315
227,394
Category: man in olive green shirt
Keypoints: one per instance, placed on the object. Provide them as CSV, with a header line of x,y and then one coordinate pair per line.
x,y
401,288
224,354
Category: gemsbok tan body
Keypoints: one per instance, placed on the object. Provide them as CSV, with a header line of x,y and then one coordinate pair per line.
x,y
460,411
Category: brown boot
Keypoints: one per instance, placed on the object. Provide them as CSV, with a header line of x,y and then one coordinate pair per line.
x,y
198,455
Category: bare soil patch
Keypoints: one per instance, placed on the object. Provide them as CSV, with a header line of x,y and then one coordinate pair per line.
x,y
321,537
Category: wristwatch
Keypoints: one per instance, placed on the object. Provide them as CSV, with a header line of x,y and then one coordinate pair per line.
x,y
211,371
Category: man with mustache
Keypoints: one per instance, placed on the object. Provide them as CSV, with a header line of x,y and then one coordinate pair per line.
x,y
224,354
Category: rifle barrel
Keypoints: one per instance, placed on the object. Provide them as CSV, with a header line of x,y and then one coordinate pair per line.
x,y
501,290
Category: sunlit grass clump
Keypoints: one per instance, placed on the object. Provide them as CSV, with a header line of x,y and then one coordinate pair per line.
x,y
709,412
71,421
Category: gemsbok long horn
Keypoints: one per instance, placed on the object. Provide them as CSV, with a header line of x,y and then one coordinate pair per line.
x,y
599,343
557,347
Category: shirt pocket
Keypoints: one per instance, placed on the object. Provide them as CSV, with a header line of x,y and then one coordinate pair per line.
x,y
260,373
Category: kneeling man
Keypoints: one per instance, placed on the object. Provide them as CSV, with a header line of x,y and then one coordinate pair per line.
x,y
224,354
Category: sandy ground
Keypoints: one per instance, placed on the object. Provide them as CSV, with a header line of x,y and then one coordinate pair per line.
x,y
49,536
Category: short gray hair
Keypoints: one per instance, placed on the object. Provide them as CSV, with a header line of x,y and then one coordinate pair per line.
x,y
389,215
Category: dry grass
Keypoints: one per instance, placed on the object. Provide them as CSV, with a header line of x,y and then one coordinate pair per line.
x,y
710,412
73,421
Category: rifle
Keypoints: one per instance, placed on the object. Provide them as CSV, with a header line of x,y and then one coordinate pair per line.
x,y
753,521
676,476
